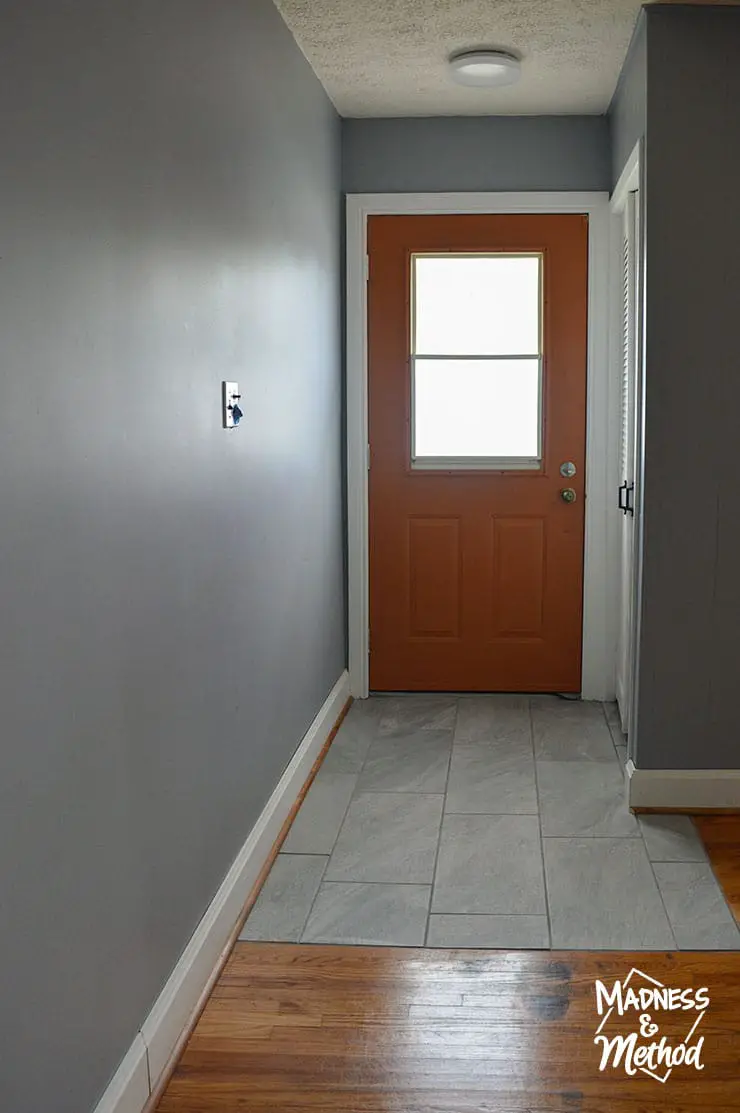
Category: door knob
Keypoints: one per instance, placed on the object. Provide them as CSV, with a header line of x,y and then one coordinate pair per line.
x,y
568,494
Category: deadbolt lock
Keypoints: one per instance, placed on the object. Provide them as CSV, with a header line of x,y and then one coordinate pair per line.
x,y
568,494
568,469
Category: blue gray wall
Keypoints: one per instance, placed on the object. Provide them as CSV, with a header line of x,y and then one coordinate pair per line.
x,y
628,109
171,596
689,655
451,154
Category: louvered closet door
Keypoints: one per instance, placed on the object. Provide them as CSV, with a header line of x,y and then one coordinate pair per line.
x,y
627,455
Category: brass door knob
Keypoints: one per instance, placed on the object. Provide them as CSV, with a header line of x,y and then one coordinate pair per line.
x,y
568,494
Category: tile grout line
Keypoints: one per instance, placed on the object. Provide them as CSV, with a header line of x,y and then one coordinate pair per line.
x,y
621,838
485,915
657,885
539,822
602,704
358,774
441,824
707,861
510,815
415,792
710,863
404,884
313,902
615,744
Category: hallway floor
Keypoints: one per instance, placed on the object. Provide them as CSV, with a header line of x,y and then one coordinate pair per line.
x,y
487,821
301,1029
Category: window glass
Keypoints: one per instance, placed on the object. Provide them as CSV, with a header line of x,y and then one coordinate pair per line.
x,y
476,408
477,305
476,361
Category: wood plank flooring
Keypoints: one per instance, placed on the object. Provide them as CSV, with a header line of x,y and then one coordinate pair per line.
x,y
391,1030
721,835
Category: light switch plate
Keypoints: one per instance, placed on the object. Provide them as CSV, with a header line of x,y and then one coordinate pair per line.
x,y
230,397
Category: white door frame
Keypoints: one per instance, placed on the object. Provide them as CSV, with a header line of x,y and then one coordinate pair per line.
x,y
630,180
600,572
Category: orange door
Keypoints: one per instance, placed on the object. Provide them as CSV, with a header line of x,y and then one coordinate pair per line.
x,y
477,334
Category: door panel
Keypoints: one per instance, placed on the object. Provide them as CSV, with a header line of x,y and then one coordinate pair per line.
x,y
434,577
476,562
518,577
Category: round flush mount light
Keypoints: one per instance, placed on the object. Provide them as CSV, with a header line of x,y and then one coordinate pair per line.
x,y
486,69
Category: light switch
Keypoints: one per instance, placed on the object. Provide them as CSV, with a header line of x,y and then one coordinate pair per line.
x,y
232,412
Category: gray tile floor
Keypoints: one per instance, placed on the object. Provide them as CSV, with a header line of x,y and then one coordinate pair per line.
x,y
487,821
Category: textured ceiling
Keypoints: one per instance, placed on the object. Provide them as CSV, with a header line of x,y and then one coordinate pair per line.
x,y
387,57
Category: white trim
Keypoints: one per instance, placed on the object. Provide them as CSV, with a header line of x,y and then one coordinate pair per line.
x,y
683,788
128,1091
629,180
599,595
160,1032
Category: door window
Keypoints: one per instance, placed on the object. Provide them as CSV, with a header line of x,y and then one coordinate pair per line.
x,y
476,361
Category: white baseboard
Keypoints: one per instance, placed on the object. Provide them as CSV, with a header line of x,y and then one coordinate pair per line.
x,y
683,788
149,1054
128,1091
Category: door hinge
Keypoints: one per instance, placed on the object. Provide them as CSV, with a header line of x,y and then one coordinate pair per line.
x,y
367,268
368,457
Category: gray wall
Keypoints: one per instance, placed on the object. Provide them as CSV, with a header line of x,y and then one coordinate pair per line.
x,y
690,655
171,612
628,109
439,154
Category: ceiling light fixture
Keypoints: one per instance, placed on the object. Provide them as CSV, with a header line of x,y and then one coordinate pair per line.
x,y
486,69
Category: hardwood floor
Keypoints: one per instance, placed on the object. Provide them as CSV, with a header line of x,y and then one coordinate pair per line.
x,y
721,835
389,1030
